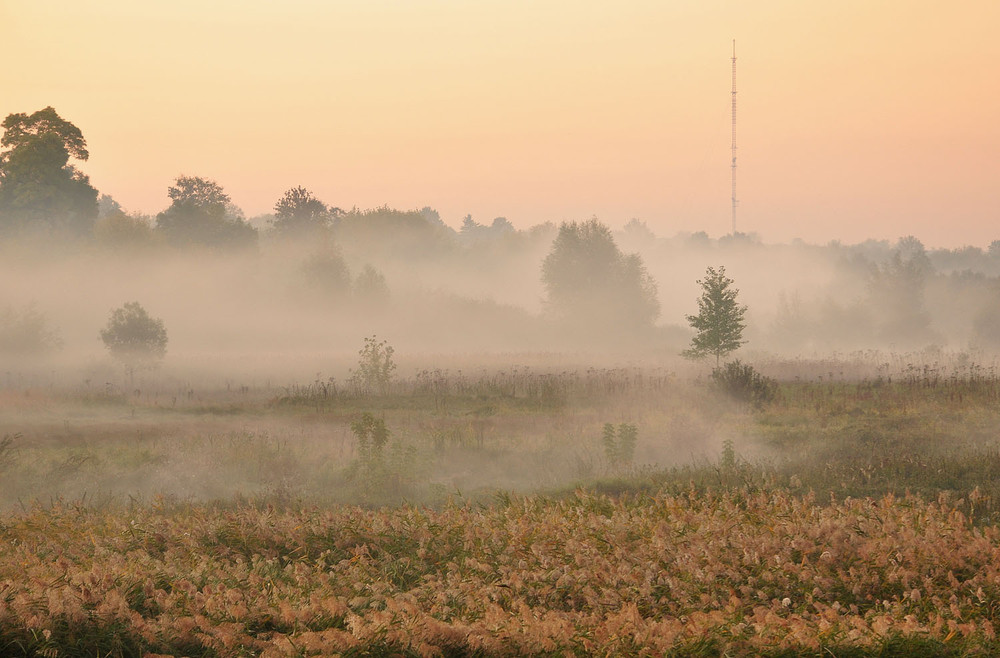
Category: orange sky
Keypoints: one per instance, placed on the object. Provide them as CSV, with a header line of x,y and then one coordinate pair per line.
x,y
856,119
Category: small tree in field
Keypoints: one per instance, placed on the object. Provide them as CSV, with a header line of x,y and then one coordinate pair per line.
x,y
134,338
719,322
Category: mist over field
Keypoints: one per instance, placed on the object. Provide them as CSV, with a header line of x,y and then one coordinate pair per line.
x,y
497,383
293,308
499,329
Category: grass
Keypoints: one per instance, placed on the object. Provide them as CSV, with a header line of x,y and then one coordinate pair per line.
x,y
494,523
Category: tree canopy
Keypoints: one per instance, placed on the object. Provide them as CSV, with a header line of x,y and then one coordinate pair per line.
x,y
589,280
39,189
298,212
719,322
134,338
201,213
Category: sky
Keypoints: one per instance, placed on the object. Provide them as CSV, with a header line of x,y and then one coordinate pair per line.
x,y
856,119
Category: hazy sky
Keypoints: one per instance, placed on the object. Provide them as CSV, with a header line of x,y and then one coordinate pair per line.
x,y
856,118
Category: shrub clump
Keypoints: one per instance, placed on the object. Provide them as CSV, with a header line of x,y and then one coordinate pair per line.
x,y
742,382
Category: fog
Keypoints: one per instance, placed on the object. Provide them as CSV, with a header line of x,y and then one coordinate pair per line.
x,y
259,337
265,310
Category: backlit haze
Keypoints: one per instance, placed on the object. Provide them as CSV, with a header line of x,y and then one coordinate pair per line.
x,y
856,119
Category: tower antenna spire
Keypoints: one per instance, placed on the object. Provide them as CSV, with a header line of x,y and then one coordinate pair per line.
x,y
734,137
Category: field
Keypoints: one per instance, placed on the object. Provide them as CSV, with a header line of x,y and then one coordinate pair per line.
x,y
516,511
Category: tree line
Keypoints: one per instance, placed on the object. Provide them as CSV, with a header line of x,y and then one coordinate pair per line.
x,y
591,284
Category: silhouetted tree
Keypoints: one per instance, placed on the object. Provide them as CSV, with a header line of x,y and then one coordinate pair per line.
x,y
719,322
201,213
39,189
298,212
590,281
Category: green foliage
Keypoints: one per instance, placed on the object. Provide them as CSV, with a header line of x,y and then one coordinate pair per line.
x,y
21,129
39,189
588,280
375,367
201,213
742,382
719,322
619,444
372,437
728,460
134,338
386,471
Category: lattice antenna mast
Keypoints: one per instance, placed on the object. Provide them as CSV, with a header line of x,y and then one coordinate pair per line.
x,y
734,137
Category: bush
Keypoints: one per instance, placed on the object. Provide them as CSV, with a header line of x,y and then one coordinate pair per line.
x,y
375,367
741,382
134,338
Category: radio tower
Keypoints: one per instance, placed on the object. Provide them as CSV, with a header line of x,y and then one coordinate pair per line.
x,y
734,137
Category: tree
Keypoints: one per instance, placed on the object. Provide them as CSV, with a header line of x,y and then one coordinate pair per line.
x,y
128,232
327,272
134,338
370,288
896,294
201,213
39,189
719,322
298,212
590,281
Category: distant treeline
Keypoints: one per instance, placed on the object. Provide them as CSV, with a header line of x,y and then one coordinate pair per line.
x,y
581,278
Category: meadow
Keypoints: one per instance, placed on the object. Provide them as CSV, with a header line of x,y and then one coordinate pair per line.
x,y
508,511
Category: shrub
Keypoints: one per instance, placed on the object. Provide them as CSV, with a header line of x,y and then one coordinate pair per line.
x,y
375,367
134,338
743,383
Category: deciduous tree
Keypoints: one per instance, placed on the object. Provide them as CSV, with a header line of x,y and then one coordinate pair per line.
x,y
134,338
590,281
39,189
719,322
201,213
298,212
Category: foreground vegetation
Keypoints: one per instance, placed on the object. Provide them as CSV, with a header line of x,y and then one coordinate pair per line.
x,y
849,513
687,574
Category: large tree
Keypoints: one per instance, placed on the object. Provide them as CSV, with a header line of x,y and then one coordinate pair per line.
x,y
201,213
719,322
39,188
590,282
